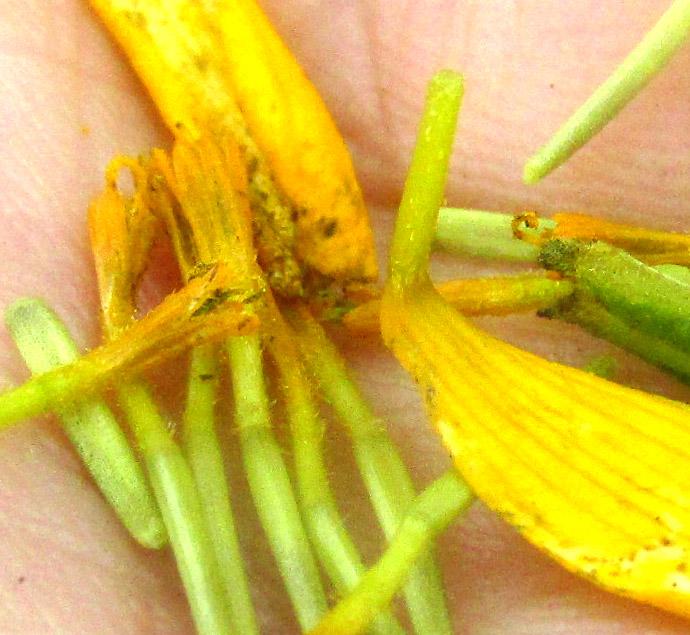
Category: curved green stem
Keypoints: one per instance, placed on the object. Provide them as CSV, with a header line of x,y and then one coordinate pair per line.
x,y
334,547
426,179
44,342
430,513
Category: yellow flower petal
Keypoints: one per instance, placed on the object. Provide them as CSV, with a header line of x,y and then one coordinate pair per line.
x,y
171,46
225,69
291,124
594,474
122,231
212,222
479,296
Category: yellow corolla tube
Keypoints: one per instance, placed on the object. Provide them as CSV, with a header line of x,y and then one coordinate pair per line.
x,y
595,474
219,67
291,124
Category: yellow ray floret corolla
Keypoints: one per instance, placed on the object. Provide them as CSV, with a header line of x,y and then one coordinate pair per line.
x,y
499,296
595,474
219,66
291,124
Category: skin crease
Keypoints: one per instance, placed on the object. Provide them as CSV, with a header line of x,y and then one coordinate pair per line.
x,y
67,565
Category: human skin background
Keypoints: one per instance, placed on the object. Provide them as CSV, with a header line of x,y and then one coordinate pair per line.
x,y
67,566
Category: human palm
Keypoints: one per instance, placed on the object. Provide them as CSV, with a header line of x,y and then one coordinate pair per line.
x,y
70,102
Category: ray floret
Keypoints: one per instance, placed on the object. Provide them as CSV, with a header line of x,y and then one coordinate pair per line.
x,y
592,473
221,68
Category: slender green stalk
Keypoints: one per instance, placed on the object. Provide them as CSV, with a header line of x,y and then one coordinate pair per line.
x,y
426,178
389,484
178,499
202,449
334,547
641,65
44,342
584,310
270,484
474,232
385,475
431,512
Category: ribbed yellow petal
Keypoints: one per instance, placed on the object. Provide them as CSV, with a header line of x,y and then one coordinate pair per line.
x,y
595,474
